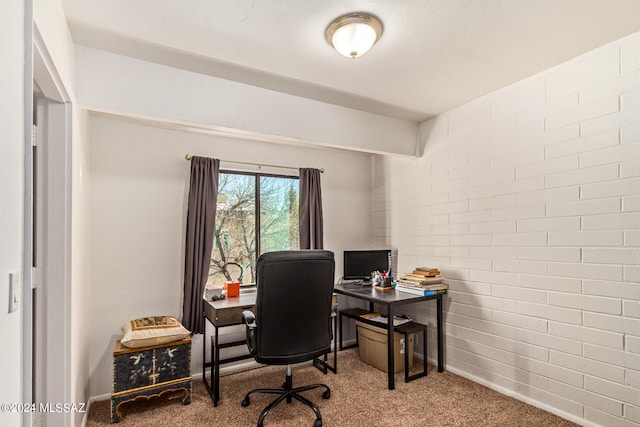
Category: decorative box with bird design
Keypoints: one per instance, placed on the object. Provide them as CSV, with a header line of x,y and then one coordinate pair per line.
x,y
150,371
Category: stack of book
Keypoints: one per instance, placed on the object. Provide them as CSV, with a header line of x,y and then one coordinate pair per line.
x,y
422,281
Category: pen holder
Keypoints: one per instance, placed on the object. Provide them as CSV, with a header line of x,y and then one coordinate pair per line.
x,y
387,282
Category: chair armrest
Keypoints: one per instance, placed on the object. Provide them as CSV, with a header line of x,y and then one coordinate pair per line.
x,y
249,320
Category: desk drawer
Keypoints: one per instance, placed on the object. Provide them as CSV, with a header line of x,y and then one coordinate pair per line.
x,y
227,316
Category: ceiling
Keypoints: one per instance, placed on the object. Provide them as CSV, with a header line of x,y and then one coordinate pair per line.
x,y
434,55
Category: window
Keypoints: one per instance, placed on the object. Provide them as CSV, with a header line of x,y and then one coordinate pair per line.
x,y
239,238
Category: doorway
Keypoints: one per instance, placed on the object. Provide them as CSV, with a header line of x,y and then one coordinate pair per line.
x,y
50,240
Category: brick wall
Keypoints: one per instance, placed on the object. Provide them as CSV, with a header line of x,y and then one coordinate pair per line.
x,y
528,199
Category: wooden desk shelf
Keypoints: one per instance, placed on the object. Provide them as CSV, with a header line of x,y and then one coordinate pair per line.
x,y
390,301
406,329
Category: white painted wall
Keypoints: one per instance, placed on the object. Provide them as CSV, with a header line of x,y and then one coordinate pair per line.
x,y
528,199
115,83
139,184
11,200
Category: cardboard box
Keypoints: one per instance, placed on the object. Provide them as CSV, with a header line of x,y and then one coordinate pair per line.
x,y
372,342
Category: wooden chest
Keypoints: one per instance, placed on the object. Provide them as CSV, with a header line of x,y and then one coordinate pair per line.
x,y
150,371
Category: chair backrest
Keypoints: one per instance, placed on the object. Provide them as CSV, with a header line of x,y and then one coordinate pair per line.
x,y
293,305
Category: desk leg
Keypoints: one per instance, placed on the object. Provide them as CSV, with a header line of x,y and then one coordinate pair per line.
x,y
340,328
440,334
215,368
390,349
204,350
335,344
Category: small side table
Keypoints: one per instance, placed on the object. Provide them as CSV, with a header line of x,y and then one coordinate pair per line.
x,y
150,371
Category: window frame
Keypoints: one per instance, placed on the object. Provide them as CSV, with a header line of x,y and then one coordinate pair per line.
x,y
256,178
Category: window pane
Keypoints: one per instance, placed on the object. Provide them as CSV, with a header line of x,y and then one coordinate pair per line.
x,y
279,214
233,254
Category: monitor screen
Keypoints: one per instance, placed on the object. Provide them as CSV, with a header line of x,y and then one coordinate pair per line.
x,y
358,265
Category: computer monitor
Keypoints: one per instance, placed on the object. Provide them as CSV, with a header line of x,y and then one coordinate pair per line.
x,y
358,265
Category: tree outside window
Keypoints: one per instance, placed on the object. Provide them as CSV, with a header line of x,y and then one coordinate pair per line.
x,y
238,237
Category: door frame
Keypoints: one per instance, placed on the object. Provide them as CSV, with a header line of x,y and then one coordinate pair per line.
x,y
52,340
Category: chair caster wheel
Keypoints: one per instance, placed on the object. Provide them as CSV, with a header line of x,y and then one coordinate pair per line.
x,y
317,423
245,402
325,395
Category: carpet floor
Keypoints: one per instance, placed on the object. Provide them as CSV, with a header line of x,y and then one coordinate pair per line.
x,y
359,398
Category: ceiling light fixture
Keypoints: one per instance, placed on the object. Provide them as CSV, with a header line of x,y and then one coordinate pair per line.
x,y
353,34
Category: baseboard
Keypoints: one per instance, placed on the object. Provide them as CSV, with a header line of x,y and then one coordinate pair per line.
x,y
90,402
232,369
520,397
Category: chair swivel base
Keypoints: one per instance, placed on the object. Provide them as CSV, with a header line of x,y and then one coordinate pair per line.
x,y
288,392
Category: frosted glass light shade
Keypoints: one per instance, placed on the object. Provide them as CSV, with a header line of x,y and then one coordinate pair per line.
x,y
352,35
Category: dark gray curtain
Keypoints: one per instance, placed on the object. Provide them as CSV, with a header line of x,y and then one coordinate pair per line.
x,y
310,212
201,217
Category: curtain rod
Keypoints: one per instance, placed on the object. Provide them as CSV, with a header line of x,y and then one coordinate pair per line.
x,y
188,157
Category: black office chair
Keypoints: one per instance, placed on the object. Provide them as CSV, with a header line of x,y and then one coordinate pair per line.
x,y
292,322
